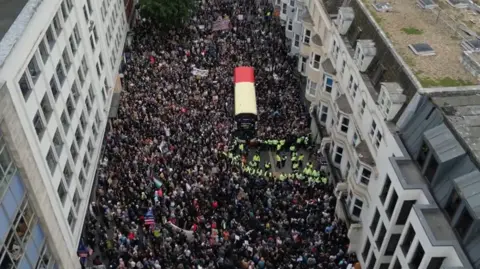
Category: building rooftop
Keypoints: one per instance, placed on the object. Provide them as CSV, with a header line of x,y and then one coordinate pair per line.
x,y
14,18
435,219
461,110
440,26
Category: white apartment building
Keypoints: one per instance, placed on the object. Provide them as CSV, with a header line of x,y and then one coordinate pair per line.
x,y
59,62
406,173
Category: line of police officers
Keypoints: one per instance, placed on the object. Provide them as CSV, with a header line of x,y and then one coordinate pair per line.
x,y
253,167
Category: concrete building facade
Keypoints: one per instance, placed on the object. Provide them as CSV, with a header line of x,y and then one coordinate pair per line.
x,y
59,63
400,144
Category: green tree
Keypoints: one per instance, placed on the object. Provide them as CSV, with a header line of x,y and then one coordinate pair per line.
x,y
167,13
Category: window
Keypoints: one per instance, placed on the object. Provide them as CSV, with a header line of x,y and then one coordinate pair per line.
x,y
99,73
296,42
384,266
350,82
85,14
373,261
362,107
344,124
76,33
384,102
435,262
65,11
306,36
70,107
365,177
344,64
100,59
51,161
81,76
92,43
385,189
338,155
405,211
453,204
284,8
78,137
82,180
57,24
417,257
94,131
354,90
83,122
324,114
303,64
90,148
88,105
104,96
66,59
408,240
69,4
366,250
73,45
423,154
39,126
84,66
292,3
65,122
76,201
376,218
357,208
75,92
25,86
89,6
464,222
378,139
355,139
289,25
327,83
431,169
430,113
50,37
42,48
97,119
393,203
315,61
67,173
311,87
45,260
74,152
60,73
373,129
46,107
34,69
381,236
91,94
86,164
392,244
397,264
72,220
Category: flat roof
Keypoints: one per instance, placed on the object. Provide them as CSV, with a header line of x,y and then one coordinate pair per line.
x,y
462,112
441,229
408,24
14,18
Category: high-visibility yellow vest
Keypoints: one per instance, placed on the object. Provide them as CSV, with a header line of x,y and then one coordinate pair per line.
x,y
292,148
279,146
241,147
295,165
278,158
300,158
294,158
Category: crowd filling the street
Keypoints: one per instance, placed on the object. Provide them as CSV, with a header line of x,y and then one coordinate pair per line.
x,y
176,189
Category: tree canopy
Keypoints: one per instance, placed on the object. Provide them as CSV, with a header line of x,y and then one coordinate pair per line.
x,y
167,13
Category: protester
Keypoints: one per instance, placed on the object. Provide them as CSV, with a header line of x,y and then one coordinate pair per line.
x,y
167,196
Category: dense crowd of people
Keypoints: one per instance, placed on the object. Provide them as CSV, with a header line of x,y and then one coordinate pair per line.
x,y
167,197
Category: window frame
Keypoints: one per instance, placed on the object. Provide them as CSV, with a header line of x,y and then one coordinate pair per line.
x,y
306,38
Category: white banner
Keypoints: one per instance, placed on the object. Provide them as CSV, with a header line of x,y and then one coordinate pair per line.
x,y
222,24
188,234
199,72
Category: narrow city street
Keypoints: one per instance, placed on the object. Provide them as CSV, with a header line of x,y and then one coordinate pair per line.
x,y
173,192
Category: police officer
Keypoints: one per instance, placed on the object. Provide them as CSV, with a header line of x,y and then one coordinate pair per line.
x,y
294,166
292,148
267,166
284,160
278,159
300,160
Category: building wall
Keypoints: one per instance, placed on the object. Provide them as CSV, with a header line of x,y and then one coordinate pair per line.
x,y
60,77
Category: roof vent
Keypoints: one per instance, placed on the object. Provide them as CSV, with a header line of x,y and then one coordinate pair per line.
x,y
426,4
422,49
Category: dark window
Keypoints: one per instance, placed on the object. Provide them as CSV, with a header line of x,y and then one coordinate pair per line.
x,y
393,203
452,204
392,244
357,208
435,262
378,75
338,155
406,207
397,265
431,169
417,257
373,225
381,236
407,241
384,266
422,155
372,262
366,250
386,188
464,223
